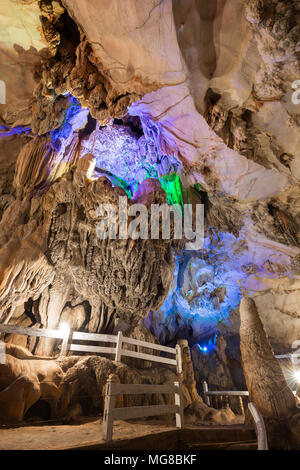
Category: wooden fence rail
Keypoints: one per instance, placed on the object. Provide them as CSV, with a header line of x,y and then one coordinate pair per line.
x,y
67,336
288,356
224,396
20,330
111,413
262,441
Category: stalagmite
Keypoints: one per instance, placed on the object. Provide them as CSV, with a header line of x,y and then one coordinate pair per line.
x,y
265,381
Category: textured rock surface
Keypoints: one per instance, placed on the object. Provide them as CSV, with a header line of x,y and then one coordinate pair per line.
x,y
56,258
75,386
25,379
265,381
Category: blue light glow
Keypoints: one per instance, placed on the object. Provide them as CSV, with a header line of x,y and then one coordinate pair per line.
x,y
209,346
127,158
7,132
205,288
64,131
206,284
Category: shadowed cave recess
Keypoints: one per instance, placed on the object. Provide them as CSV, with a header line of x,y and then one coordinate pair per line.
x,y
185,103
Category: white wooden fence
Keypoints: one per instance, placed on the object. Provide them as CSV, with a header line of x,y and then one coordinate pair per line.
x,y
262,440
111,413
224,396
288,356
68,336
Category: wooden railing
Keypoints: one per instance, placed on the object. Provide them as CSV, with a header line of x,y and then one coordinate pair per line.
x,y
262,440
288,356
68,336
111,413
222,397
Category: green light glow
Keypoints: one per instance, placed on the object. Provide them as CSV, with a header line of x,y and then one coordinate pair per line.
x,y
171,185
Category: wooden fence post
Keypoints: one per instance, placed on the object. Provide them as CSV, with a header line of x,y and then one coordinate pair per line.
x,y
109,405
2,352
66,342
178,359
119,347
205,390
241,405
179,402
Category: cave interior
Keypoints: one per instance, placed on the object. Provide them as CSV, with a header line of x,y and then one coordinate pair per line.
x,y
180,103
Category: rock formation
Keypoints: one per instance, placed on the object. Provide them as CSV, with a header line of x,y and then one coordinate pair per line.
x,y
70,261
25,379
75,386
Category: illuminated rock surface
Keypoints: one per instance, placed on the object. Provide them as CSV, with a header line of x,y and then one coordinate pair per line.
x,y
269,391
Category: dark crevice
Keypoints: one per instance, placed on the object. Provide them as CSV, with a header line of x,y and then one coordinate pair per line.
x,y
28,311
39,410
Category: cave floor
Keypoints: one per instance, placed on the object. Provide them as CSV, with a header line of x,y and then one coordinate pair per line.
x,y
128,435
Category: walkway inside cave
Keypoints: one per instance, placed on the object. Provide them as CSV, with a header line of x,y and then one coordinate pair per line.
x,y
133,435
